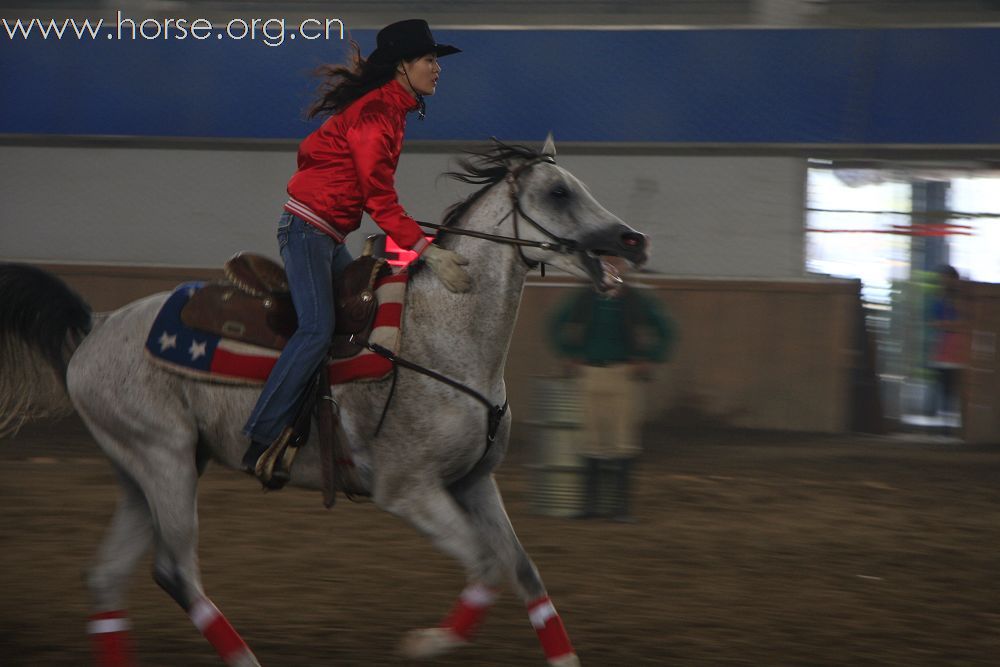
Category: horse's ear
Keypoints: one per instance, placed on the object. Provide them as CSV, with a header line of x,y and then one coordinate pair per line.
x,y
550,146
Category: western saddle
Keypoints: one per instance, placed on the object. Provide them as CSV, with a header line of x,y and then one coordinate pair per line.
x,y
254,305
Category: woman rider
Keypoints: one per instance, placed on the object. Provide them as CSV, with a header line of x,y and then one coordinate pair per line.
x,y
345,167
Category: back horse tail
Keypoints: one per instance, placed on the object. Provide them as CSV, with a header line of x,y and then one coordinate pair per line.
x,y
42,322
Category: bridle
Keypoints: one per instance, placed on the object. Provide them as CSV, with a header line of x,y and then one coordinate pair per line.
x,y
558,244
494,412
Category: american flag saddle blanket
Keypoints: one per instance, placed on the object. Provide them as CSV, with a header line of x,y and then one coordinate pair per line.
x,y
193,353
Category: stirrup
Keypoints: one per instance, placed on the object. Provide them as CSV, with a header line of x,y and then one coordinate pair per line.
x,y
273,467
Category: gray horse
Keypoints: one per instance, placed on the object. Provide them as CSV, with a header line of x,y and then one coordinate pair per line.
x,y
430,464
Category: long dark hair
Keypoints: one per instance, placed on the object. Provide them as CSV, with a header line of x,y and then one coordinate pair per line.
x,y
342,84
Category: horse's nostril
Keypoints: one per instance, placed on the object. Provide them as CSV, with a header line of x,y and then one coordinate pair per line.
x,y
633,240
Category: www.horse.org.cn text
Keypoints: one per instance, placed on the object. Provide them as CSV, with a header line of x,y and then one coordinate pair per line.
x,y
268,31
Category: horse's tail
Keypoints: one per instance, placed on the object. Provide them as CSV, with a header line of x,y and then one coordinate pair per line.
x,y
42,322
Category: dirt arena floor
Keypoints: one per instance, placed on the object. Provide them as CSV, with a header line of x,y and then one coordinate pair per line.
x,y
750,549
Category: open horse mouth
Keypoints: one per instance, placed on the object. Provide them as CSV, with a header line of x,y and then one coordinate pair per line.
x,y
629,245
604,276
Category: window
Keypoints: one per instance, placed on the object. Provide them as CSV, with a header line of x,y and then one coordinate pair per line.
x,y
851,231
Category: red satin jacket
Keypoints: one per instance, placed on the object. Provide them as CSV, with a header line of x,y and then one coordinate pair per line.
x,y
348,166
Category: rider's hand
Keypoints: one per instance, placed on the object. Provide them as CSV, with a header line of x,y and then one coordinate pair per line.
x,y
447,266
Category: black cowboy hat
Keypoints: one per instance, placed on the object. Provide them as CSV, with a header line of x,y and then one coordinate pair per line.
x,y
405,40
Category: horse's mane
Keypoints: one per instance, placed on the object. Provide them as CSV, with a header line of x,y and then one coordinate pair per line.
x,y
486,168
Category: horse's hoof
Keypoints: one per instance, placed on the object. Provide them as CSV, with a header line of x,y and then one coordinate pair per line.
x,y
429,643
244,659
568,660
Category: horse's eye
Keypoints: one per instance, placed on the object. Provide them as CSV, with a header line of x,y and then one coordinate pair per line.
x,y
559,192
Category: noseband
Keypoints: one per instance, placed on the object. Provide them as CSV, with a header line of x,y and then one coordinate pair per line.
x,y
558,244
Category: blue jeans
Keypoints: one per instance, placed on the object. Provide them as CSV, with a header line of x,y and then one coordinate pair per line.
x,y
311,260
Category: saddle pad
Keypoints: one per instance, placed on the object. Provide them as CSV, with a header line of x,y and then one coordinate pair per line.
x,y
207,356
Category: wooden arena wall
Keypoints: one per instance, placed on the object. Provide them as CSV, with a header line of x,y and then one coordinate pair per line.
x,y
768,354
981,379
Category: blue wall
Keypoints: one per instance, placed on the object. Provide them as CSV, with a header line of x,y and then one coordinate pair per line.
x,y
915,86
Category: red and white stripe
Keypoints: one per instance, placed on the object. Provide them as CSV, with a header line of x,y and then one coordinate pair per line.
x,y
390,292
110,639
544,618
420,246
241,361
217,630
296,207
469,610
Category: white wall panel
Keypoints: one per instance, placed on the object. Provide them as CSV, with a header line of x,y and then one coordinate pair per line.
x,y
707,216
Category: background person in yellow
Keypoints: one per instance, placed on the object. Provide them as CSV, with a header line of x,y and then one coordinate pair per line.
x,y
611,339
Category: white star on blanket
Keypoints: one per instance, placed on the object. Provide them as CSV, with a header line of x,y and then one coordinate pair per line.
x,y
197,350
167,341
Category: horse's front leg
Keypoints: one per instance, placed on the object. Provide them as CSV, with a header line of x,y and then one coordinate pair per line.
x,y
505,560
480,498
435,513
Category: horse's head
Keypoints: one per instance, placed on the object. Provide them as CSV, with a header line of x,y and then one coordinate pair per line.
x,y
560,205
556,219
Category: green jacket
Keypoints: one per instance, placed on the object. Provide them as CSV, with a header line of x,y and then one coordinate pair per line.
x,y
602,330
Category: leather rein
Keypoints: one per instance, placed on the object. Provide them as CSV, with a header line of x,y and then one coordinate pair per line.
x,y
558,244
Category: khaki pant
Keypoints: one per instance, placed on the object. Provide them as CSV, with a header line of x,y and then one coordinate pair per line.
x,y
611,412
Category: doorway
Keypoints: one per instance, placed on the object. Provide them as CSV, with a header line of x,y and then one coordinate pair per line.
x,y
894,229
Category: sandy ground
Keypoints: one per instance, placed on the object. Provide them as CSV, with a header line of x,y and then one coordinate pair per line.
x,y
751,549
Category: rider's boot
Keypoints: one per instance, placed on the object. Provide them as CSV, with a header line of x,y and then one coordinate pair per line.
x,y
624,471
591,488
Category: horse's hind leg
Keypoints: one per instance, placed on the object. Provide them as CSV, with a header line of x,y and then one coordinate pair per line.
x,y
480,498
173,502
161,478
127,539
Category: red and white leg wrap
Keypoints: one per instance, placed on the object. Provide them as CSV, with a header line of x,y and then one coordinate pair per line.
x,y
548,625
110,639
217,630
469,610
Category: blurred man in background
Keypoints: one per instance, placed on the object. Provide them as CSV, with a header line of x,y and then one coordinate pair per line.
x,y
611,339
